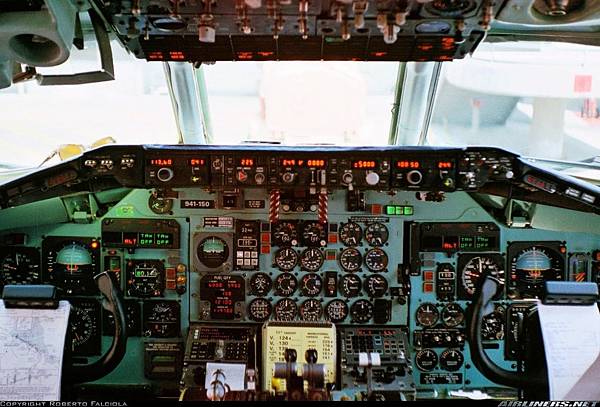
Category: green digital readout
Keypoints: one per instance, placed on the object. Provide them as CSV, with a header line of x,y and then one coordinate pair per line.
x,y
399,210
155,239
475,242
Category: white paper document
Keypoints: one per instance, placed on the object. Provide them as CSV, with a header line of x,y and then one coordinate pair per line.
x,y
229,376
32,345
572,343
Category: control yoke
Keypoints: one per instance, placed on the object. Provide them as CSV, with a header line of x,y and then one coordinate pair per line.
x,y
487,290
113,303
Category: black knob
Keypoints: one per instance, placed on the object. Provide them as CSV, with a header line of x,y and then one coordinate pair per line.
x,y
311,356
291,355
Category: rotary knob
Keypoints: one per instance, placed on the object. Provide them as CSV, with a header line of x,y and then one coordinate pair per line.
x,y
372,178
347,178
288,177
164,174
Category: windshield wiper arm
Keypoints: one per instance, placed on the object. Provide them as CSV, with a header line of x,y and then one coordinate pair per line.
x,y
563,163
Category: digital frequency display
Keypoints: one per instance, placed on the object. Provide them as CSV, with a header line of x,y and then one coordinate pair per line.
x,y
408,164
161,162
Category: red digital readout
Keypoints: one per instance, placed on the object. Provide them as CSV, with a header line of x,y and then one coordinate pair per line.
x,y
288,163
161,161
408,164
293,162
197,161
247,162
315,163
445,165
364,164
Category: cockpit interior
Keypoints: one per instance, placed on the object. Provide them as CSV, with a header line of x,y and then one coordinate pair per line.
x,y
299,200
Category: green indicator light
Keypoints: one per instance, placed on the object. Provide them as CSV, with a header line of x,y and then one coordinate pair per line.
x,y
390,210
409,210
399,210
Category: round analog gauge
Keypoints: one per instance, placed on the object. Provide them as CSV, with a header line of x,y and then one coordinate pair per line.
x,y
285,284
376,259
475,268
311,310
212,251
336,311
20,267
260,284
259,309
286,259
285,234
427,315
351,234
83,326
312,259
145,278
285,310
160,205
161,319
313,234
311,285
376,285
361,311
350,285
452,315
451,360
377,234
531,267
492,326
426,360
350,259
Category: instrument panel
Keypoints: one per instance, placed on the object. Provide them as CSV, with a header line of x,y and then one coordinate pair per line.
x,y
393,264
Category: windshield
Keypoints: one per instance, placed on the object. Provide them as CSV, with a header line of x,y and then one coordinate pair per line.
x,y
536,99
339,103
135,108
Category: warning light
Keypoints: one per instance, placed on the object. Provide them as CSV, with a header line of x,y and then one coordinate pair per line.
x,y
94,245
